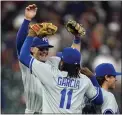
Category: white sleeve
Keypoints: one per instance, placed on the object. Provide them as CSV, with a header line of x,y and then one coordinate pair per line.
x,y
41,70
92,91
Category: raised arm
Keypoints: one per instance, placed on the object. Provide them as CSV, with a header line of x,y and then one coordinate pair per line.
x,y
41,70
93,93
76,43
30,13
78,31
25,55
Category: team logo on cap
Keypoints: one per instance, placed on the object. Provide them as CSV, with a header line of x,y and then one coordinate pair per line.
x,y
45,39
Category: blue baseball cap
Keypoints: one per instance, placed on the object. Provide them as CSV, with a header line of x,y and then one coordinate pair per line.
x,y
41,42
106,69
70,55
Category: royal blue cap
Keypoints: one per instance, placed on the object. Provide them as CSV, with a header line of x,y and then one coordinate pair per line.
x,y
70,55
106,69
41,42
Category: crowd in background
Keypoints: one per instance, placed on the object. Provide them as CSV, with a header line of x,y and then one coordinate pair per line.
x,y
102,42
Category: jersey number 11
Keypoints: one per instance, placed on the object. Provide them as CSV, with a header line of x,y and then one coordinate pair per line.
x,y
63,95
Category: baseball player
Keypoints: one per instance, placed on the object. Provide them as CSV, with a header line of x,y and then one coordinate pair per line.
x,y
76,41
63,85
32,85
39,50
106,76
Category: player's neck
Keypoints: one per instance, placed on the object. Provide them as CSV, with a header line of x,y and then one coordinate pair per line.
x,y
105,86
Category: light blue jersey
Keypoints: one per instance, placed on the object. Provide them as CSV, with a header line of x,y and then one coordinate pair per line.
x,y
61,94
109,102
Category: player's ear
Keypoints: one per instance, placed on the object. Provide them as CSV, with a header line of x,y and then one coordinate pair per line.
x,y
31,50
106,78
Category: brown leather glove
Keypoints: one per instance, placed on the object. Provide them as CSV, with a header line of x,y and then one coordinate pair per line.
x,y
44,29
75,28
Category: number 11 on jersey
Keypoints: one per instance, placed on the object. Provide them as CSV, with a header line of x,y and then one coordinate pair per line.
x,y
63,96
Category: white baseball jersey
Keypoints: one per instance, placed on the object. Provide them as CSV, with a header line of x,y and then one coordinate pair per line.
x,y
109,102
32,90
61,94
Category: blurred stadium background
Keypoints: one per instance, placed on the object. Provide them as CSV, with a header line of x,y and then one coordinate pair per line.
x,y
101,44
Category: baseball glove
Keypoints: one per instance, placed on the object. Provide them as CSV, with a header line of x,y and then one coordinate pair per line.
x,y
43,29
75,28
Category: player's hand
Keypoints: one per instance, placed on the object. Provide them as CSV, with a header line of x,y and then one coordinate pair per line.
x,y
75,28
30,12
44,29
86,71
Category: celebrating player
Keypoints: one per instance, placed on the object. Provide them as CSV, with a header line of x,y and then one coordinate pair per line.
x,y
106,76
32,86
39,50
63,85
23,34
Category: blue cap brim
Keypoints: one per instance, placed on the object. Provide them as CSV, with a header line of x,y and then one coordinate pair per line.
x,y
45,45
118,73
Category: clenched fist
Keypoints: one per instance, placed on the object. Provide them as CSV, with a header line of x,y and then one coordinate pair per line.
x,y
30,12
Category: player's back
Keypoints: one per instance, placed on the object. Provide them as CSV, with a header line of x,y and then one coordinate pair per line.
x,y
109,102
65,95
32,90
62,94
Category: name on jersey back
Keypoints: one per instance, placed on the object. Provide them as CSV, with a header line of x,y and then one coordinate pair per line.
x,y
68,82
